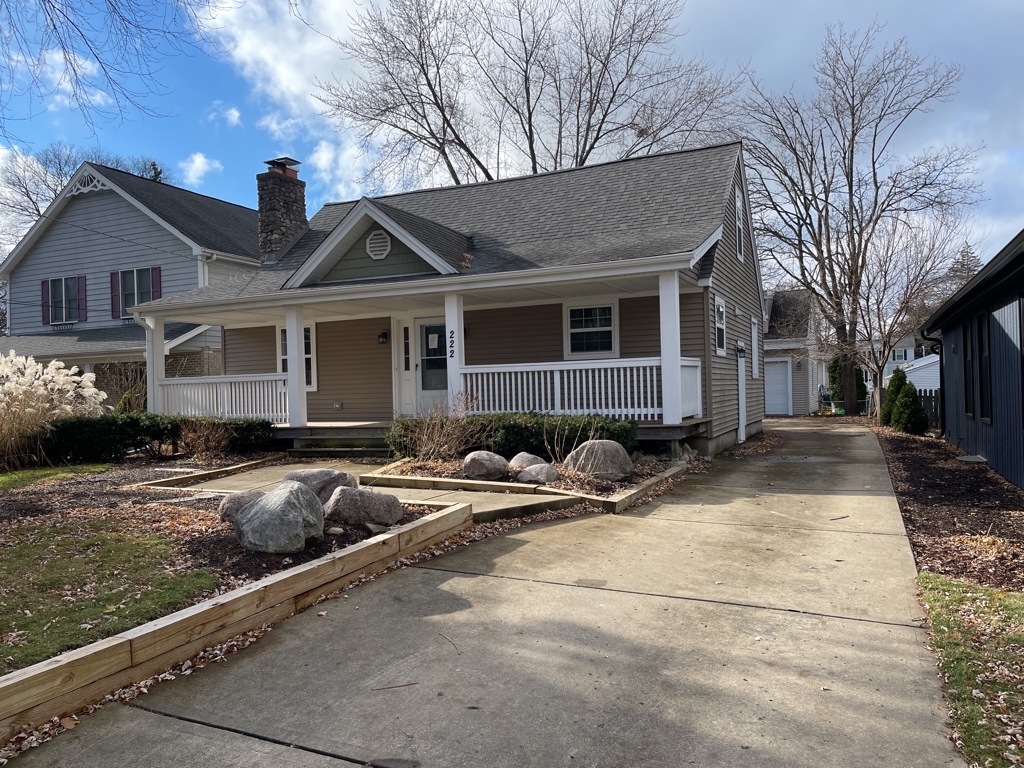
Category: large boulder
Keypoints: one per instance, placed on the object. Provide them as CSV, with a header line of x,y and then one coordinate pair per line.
x,y
356,506
522,460
604,459
484,465
287,519
322,481
233,502
539,474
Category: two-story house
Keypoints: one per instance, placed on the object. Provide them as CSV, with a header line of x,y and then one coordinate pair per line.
x,y
109,241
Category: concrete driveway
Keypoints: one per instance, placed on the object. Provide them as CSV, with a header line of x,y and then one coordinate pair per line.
x,y
762,614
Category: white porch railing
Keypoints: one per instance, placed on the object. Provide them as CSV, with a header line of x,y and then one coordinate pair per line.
x,y
255,396
626,388
693,401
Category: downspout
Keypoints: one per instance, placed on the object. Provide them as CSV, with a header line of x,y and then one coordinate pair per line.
x,y
937,347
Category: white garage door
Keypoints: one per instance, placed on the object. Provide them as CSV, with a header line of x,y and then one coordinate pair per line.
x,y
776,388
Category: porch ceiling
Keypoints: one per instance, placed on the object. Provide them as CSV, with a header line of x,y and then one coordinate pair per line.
x,y
334,308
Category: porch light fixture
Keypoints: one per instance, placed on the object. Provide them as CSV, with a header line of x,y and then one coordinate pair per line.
x,y
798,365
382,337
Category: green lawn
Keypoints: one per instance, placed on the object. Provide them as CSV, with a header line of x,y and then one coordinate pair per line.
x,y
22,477
979,635
65,586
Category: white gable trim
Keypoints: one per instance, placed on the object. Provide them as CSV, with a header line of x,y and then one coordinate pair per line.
x,y
365,207
700,250
76,186
168,346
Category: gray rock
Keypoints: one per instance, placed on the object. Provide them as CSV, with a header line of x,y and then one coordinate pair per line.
x,y
484,465
322,481
604,459
523,459
233,502
539,474
356,506
285,520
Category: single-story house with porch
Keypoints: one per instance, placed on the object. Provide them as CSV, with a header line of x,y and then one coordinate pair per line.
x,y
981,329
629,288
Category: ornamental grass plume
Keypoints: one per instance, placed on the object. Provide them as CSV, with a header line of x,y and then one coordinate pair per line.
x,y
33,396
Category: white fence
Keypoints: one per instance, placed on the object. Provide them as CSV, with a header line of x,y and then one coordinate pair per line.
x,y
257,396
690,391
627,388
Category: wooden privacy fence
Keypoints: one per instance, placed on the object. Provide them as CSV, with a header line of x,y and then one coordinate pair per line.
x,y
931,399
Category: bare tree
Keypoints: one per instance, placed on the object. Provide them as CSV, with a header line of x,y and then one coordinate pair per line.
x,y
467,90
904,280
827,174
101,57
30,182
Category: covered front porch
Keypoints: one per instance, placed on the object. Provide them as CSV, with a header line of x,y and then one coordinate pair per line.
x,y
610,346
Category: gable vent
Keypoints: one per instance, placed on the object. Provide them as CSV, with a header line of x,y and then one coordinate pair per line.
x,y
378,244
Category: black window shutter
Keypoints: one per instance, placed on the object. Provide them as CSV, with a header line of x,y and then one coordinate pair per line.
x,y
154,273
46,302
83,309
115,295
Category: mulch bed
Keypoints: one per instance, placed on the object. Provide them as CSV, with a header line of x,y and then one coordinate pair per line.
x,y
963,520
189,518
574,482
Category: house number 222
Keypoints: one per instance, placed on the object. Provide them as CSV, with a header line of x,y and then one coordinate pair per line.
x,y
451,343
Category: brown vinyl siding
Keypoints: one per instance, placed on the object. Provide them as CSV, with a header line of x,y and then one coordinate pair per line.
x,y
737,283
639,327
694,336
250,350
510,335
352,369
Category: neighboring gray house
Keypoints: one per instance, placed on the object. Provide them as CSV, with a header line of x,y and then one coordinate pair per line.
x,y
630,288
111,240
793,366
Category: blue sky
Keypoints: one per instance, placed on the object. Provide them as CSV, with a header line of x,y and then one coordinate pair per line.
x,y
252,100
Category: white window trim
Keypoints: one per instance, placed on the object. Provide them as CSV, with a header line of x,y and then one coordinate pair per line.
x,y
593,302
739,224
900,355
755,372
126,312
312,353
64,299
721,351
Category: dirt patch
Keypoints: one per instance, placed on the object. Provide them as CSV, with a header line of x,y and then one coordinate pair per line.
x,y
188,518
763,442
963,520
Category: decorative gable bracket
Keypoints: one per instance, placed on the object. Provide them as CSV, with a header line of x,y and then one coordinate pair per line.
x,y
87,183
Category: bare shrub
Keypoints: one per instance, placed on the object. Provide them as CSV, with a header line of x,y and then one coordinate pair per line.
x,y
445,433
205,439
33,396
562,435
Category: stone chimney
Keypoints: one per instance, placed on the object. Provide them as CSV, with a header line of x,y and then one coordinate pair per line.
x,y
282,207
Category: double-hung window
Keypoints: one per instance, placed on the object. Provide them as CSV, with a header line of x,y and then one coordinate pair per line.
x,y
308,354
63,300
899,355
719,326
591,330
136,288
739,224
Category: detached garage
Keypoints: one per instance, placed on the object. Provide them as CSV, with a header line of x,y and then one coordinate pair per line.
x,y
778,386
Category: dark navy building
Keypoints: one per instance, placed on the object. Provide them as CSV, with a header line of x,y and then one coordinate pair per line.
x,y
981,329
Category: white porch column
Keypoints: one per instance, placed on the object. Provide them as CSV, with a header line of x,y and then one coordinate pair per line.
x,y
455,331
671,373
155,369
296,347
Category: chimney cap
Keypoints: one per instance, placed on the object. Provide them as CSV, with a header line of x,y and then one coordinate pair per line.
x,y
282,162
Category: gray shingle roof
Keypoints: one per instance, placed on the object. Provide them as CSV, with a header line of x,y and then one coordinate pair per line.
x,y
116,339
627,209
790,315
214,224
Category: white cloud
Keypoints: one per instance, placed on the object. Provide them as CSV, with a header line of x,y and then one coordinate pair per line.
x,y
280,128
336,165
220,111
197,166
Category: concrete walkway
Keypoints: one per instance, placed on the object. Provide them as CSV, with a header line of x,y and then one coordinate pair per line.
x,y
762,614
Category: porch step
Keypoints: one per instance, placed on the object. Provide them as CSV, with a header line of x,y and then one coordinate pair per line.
x,y
327,453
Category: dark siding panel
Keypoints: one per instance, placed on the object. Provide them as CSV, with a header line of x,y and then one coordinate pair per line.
x,y
250,350
514,335
639,321
352,369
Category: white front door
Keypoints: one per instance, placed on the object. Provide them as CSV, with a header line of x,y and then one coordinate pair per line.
x,y
431,365
778,397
